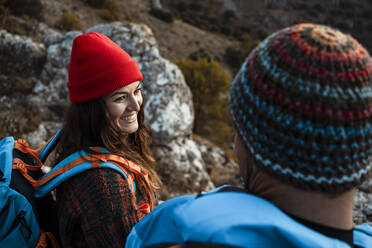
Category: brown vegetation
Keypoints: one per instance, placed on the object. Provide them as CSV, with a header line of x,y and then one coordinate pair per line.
x,y
68,21
209,83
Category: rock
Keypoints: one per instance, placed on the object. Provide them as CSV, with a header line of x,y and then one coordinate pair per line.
x,y
29,27
51,89
155,3
181,167
219,167
366,186
20,119
367,210
362,209
21,62
190,165
42,134
20,56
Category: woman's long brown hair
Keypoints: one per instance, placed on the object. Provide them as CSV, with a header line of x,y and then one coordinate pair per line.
x,y
89,124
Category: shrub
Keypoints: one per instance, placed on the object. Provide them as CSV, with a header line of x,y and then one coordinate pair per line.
x,y
68,21
181,6
226,30
196,5
107,15
3,13
95,3
205,14
31,8
229,17
200,53
234,56
127,16
341,25
261,33
335,12
300,6
209,84
229,14
113,8
319,7
347,5
314,13
162,14
365,14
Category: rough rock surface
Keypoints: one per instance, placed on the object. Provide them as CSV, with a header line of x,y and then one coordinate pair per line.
x,y
219,167
181,168
363,203
21,61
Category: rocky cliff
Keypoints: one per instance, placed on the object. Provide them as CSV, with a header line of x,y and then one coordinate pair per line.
x,y
33,95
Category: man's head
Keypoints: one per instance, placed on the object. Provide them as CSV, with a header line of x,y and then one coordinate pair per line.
x,y
302,106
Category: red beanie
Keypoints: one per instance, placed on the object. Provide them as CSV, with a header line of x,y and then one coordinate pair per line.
x,y
98,66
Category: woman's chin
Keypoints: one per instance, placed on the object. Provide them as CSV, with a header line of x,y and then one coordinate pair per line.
x,y
130,129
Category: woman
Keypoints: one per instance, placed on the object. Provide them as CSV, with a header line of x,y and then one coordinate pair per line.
x,y
97,208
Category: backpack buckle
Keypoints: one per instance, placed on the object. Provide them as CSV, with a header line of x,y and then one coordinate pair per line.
x,y
19,165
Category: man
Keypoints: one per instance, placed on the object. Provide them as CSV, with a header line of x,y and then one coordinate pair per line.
x,y
302,108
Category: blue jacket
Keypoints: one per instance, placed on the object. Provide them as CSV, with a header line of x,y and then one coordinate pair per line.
x,y
231,218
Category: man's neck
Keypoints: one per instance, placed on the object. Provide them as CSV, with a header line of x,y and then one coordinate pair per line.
x,y
329,210
332,211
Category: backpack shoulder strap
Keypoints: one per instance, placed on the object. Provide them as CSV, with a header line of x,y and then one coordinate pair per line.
x,y
363,235
9,162
77,163
6,160
46,148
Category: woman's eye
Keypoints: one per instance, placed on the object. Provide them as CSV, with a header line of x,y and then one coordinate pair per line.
x,y
138,91
119,99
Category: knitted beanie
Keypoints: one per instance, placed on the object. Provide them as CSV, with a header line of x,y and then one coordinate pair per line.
x,y
302,104
98,66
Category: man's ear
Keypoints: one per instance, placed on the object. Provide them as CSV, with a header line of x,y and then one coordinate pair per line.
x,y
242,156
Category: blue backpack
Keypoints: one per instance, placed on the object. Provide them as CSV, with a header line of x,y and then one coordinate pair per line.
x,y
27,209
227,216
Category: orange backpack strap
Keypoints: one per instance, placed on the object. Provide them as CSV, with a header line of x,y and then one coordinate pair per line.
x,y
21,166
77,163
137,172
23,146
37,155
47,238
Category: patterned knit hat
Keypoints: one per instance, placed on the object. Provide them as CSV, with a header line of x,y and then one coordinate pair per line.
x,y
302,104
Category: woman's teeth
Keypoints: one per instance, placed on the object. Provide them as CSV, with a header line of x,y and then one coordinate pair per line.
x,y
128,118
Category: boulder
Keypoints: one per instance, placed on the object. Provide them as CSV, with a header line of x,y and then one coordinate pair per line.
x,y
21,62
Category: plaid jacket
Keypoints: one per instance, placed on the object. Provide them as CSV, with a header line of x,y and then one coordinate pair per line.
x,y
95,209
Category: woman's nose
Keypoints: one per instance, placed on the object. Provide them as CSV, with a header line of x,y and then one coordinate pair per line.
x,y
134,104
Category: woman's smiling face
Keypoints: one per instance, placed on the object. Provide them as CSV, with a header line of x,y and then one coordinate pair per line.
x,y
123,106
